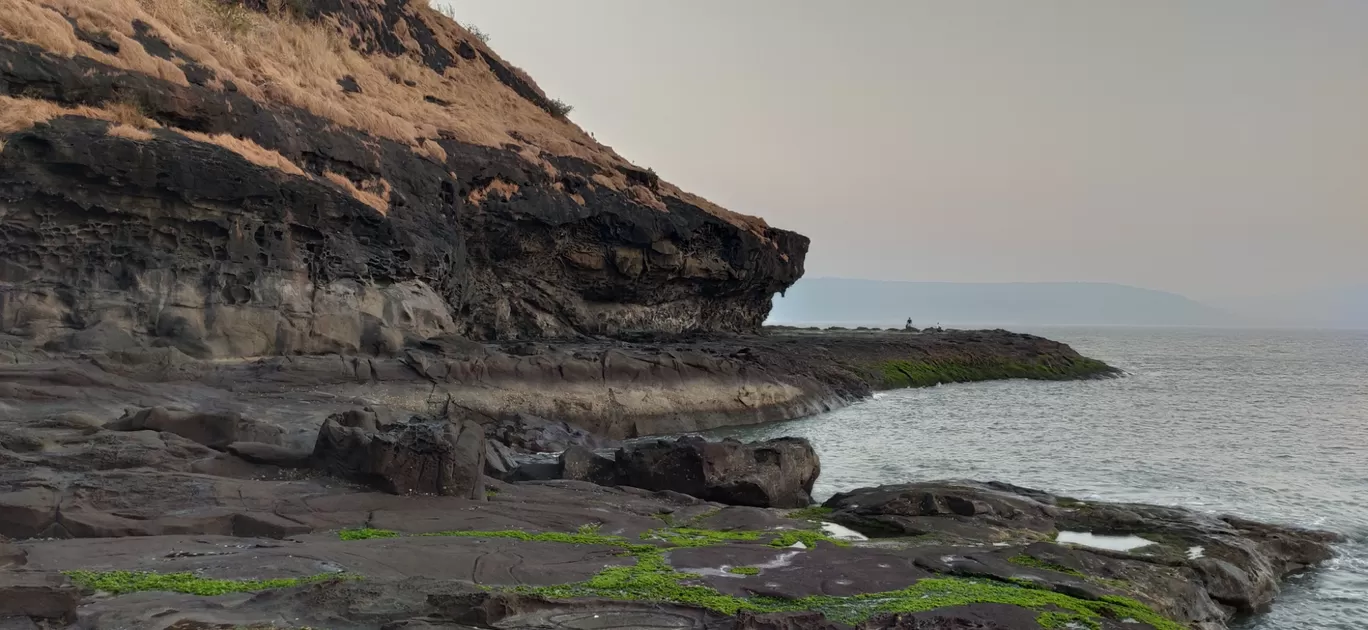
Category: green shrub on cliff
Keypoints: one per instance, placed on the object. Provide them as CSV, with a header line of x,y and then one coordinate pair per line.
x,y
559,108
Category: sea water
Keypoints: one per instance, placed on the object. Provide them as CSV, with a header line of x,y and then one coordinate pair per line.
x,y
1266,424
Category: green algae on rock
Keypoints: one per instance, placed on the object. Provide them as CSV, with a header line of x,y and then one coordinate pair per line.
x,y
364,533
812,513
928,372
653,579
575,538
809,538
1035,563
673,537
696,537
122,582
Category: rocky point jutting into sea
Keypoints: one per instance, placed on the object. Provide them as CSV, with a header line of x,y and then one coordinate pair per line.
x,y
320,314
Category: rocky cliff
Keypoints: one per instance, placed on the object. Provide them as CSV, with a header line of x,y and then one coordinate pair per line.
x,y
260,177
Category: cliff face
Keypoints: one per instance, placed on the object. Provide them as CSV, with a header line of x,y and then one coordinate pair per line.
x,y
329,176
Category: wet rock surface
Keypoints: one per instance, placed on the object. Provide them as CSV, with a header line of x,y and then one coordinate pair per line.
x,y
209,368
418,457
774,473
581,464
344,555
37,595
215,430
533,397
1205,566
529,433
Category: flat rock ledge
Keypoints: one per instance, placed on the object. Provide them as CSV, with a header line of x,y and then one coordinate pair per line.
x,y
141,491
615,389
147,529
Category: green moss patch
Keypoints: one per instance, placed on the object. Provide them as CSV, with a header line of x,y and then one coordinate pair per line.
x,y
364,533
809,539
121,582
1036,563
672,537
925,373
675,537
585,535
652,578
814,513
695,537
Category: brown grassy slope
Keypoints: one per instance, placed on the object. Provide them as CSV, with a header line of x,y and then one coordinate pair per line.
x,y
21,113
290,61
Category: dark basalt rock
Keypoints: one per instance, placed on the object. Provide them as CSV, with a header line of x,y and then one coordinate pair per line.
x,y
774,473
255,261
904,509
499,459
1240,563
973,617
529,433
48,596
581,464
348,84
215,430
270,454
786,621
535,471
12,556
440,457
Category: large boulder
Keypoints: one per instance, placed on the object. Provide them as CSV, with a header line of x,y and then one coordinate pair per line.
x,y
499,461
41,595
215,430
775,473
537,435
270,454
419,457
581,464
28,512
1237,563
921,508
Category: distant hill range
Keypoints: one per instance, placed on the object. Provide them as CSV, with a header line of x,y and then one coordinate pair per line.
x,y
833,301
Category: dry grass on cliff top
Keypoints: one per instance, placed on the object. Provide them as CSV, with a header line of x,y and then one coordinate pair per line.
x,y
17,114
284,60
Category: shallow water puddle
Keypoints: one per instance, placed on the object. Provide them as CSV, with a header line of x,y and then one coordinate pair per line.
x,y
841,532
782,560
1098,541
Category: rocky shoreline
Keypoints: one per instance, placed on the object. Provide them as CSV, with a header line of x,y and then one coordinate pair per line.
x,y
192,510
618,389
281,334
389,524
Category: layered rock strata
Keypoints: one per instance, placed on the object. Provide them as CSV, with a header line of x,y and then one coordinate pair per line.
x,y
155,188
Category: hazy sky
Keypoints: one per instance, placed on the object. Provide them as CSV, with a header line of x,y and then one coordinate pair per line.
x,y
1215,147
